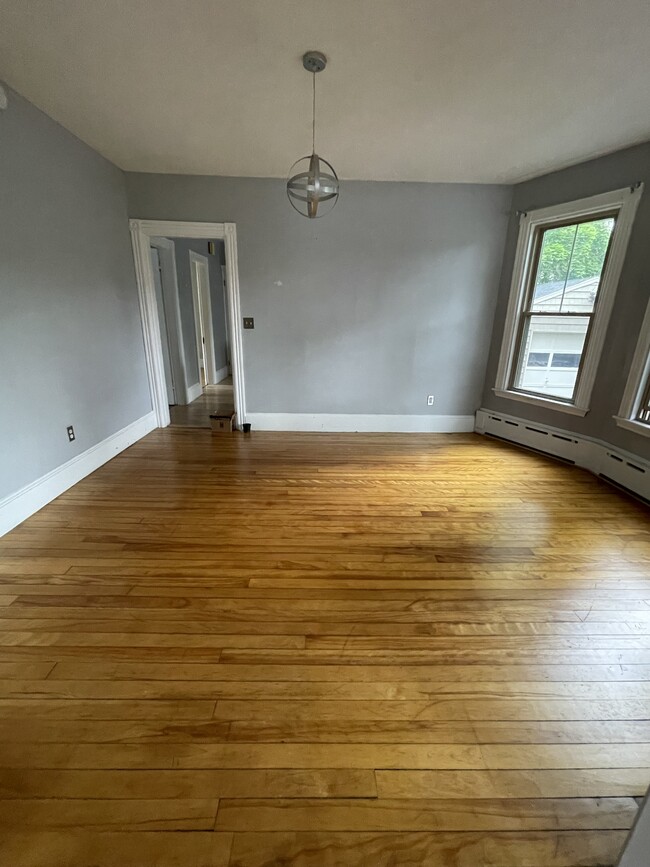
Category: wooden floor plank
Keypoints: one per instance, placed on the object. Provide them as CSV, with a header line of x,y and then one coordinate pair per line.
x,y
225,755
491,849
104,710
75,848
314,690
109,814
202,784
422,674
541,814
530,783
445,708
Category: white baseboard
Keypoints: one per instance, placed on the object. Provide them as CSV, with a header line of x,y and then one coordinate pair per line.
x,y
222,373
17,507
600,458
348,423
194,391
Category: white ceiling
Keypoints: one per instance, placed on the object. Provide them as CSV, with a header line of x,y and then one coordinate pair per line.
x,y
422,90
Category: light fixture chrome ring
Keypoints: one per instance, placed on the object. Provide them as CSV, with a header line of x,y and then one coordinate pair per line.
x,y
313,187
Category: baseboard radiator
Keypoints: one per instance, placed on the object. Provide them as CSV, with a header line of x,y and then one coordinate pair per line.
x,y
626,471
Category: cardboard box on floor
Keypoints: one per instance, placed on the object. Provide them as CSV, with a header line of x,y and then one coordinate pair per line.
x,y
222,422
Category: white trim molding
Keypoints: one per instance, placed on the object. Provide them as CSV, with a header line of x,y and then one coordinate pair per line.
x,y
194,391
637,382
370,423
17,507
637,427
625,203
141,233
549,403
604,460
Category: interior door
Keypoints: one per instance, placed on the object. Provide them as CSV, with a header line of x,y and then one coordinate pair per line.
x,y
162,322
226,317
203,316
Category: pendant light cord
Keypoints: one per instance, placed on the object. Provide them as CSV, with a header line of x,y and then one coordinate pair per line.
x,y
313,114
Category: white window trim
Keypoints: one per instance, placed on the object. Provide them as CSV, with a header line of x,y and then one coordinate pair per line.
x,y
626,201
636,382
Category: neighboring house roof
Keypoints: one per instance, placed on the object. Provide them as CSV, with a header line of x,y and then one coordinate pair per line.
x,y
582,292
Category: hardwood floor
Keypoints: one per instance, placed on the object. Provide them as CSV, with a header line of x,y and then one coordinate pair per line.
x,y
315,650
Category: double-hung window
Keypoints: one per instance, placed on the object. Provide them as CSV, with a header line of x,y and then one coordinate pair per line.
x,y
634,413
566,271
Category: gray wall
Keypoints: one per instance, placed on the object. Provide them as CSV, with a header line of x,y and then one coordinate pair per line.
x,y
71,349
388,299
612,172
184,276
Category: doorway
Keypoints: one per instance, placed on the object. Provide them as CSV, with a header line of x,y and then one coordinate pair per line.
x,y
142,231
201,288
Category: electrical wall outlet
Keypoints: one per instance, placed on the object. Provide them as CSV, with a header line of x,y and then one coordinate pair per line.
x,y
71,435
429,400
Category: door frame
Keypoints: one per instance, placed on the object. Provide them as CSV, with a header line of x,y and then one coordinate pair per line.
x,y
165,337
142,231
203,323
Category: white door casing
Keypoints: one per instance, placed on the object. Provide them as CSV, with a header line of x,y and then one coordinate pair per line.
x,y
164,328
141,233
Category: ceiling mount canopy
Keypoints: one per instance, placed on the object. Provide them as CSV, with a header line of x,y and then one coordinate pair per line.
x,y
315,182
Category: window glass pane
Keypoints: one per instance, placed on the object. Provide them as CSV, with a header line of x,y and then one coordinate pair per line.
x,y
537,359
566,359
559,336
570,266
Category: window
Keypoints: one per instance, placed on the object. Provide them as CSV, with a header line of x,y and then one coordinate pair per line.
x,y
635,407
566,271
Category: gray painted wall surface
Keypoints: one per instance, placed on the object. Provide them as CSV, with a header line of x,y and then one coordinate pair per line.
x,y
71,349
183,273
388,299
588,179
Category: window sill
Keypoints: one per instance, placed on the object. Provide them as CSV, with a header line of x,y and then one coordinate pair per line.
x,y
541,401
636,427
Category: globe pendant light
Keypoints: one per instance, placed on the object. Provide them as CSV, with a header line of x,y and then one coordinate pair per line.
x,y
316,181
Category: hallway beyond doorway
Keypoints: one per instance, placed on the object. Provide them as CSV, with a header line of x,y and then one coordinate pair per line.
x,y
215,398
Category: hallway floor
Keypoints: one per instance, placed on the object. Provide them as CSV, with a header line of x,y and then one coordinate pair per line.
x,y
215,398
324,650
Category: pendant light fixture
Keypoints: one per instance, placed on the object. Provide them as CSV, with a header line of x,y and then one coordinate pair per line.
x,y
315,181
